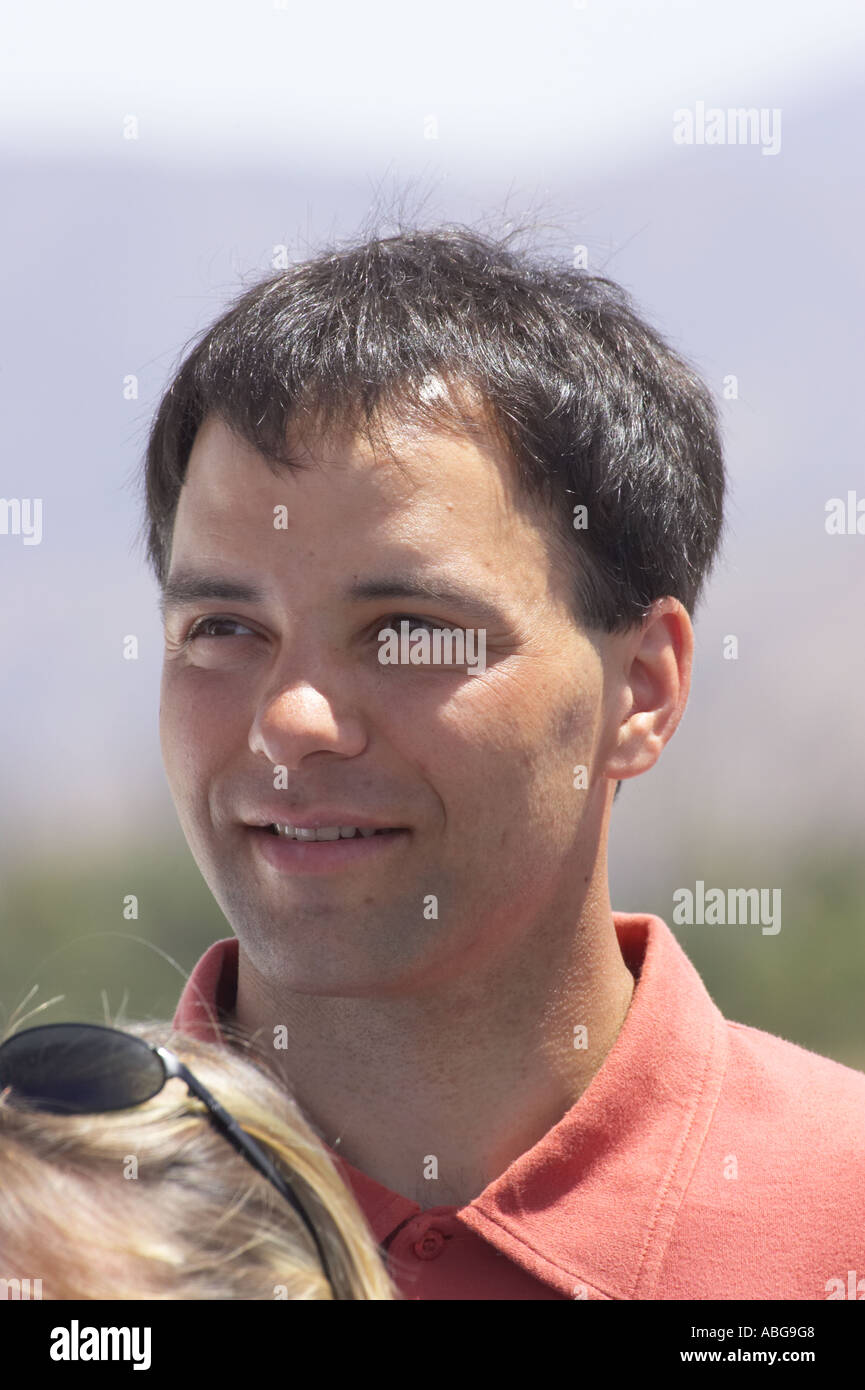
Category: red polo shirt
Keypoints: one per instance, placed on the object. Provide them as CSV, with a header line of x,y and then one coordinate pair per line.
x,y
706,1159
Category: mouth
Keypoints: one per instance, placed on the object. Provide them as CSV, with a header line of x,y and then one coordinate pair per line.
x,y
312,834
314,850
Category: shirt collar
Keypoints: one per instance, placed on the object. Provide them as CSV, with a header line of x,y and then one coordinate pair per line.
x,y
592,1204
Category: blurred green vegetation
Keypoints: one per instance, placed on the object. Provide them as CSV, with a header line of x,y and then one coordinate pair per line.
x,y
807,982
63,931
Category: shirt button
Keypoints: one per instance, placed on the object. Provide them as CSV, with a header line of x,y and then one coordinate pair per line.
x,y
430,1246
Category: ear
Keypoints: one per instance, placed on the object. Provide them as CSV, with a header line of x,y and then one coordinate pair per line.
x,y
653,679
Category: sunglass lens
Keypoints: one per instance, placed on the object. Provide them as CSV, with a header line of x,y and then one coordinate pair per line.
x,y
80,1069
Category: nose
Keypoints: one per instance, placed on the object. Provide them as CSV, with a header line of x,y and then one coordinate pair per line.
x,y
300,719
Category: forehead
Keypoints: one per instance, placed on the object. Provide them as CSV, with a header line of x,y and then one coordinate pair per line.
x,y
431,487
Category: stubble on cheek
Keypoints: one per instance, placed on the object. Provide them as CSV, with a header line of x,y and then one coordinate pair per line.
x,y
574,722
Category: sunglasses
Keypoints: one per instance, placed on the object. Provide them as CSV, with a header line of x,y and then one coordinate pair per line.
x,y
86,1069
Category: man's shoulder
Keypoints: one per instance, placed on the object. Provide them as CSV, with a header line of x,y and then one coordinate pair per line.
x,y
769,1076
774,1206
790,1126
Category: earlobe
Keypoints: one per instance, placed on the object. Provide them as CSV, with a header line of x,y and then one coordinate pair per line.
x,y
637,751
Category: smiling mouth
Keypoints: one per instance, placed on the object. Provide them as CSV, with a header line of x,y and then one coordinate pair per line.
x,y
316,850
326,832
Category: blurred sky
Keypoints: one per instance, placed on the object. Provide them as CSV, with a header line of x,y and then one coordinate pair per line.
x,y
263,124
221,82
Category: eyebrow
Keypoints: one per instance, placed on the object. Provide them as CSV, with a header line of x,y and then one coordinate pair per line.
x,y
191,586
188,586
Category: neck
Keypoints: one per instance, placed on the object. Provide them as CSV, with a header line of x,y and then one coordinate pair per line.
x,y
471,1074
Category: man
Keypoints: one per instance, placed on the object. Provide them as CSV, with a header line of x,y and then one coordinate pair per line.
x,y
531,1096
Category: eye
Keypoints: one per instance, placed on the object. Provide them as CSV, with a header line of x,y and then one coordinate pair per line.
x,y
394,619
198,628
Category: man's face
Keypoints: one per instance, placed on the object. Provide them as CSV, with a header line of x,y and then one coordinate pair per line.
x,y
477,769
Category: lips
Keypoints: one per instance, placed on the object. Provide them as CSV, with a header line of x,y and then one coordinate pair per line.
x,y
308,835
303,857
318,818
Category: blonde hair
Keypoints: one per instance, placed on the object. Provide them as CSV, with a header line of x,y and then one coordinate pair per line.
x,y
154,1203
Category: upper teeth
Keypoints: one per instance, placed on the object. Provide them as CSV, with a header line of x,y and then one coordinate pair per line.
x,y
325,832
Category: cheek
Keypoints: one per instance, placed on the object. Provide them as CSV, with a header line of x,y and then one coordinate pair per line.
x,y
573,702
168,717
571,726
195,724
481,750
